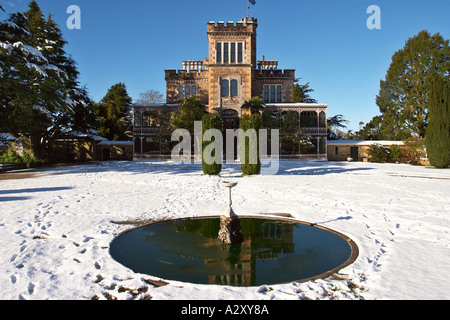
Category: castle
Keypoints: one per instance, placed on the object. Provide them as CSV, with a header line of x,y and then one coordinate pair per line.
x,y
229,76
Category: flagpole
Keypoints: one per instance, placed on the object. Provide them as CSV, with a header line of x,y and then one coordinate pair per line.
x,y
248,2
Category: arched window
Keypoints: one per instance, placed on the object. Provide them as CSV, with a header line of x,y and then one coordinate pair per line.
x,y
137,119
308,119
229,88
234,88
225,88
322,120
150,119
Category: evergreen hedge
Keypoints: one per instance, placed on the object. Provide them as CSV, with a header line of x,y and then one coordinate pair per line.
x,y
247,145
210,121
438,129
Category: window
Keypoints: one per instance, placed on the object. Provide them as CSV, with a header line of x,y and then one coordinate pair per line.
x,y
137,119
229,52
234,88
309,119
225,52
266,94
322,120
219,52
273,93
225,88
240,46
230,88
233,52
187,91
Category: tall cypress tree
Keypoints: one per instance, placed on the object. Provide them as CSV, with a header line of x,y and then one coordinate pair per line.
x,y
210,165
249,144
438,130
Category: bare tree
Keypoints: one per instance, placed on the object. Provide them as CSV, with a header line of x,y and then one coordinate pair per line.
x,y
150,97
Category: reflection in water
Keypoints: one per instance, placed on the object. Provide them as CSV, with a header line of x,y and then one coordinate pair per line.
x,y
271,252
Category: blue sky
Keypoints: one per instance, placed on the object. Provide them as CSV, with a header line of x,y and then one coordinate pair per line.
x,y
326,41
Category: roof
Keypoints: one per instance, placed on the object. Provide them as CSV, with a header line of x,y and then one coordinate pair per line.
x,y
87,135
7,137
115,143
364,142
297,105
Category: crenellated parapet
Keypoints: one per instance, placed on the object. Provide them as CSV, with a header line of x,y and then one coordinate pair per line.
x,y
185,74
275,73
244,25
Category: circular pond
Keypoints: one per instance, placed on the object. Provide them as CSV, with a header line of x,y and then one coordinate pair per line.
x,y
273,251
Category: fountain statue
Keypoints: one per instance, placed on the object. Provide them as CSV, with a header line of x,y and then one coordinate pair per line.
x,y
230,225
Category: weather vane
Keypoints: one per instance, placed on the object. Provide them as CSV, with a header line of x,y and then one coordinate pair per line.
x,y
252,2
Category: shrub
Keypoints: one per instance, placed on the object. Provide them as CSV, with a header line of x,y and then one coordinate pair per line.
x,y
249,144
378,153
210,165
11,156
413,150
395,153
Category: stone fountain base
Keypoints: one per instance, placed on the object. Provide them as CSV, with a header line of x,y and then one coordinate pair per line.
x,y
230,230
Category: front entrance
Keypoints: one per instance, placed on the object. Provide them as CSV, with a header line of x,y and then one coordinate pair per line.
x,y
106,154
354,153
231,121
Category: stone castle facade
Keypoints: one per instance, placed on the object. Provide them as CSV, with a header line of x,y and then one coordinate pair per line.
x,y
231,75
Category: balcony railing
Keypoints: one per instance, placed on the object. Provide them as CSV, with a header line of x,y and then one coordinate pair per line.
x,y
321,131
146,131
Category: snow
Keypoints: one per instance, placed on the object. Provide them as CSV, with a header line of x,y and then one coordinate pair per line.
x,y
56,226
364,142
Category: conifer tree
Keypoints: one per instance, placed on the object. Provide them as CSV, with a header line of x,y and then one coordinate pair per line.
x,y
38,83
438,130
114,113
210,164
302,93
249,144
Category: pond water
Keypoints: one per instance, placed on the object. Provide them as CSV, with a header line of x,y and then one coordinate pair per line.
x,y
273,251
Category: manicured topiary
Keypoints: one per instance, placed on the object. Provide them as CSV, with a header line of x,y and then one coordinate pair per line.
x,y
438,129
249,144
211,162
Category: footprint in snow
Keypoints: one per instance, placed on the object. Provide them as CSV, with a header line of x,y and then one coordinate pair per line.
x,y
31,287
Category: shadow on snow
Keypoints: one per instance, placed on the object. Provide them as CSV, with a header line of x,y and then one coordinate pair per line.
x,y
169,167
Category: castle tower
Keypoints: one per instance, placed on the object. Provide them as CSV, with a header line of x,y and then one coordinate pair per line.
x,y
232,57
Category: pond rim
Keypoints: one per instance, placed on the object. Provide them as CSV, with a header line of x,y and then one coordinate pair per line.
x,y
275,217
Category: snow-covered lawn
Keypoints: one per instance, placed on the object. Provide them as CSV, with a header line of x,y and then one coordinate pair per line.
x,y
56,227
